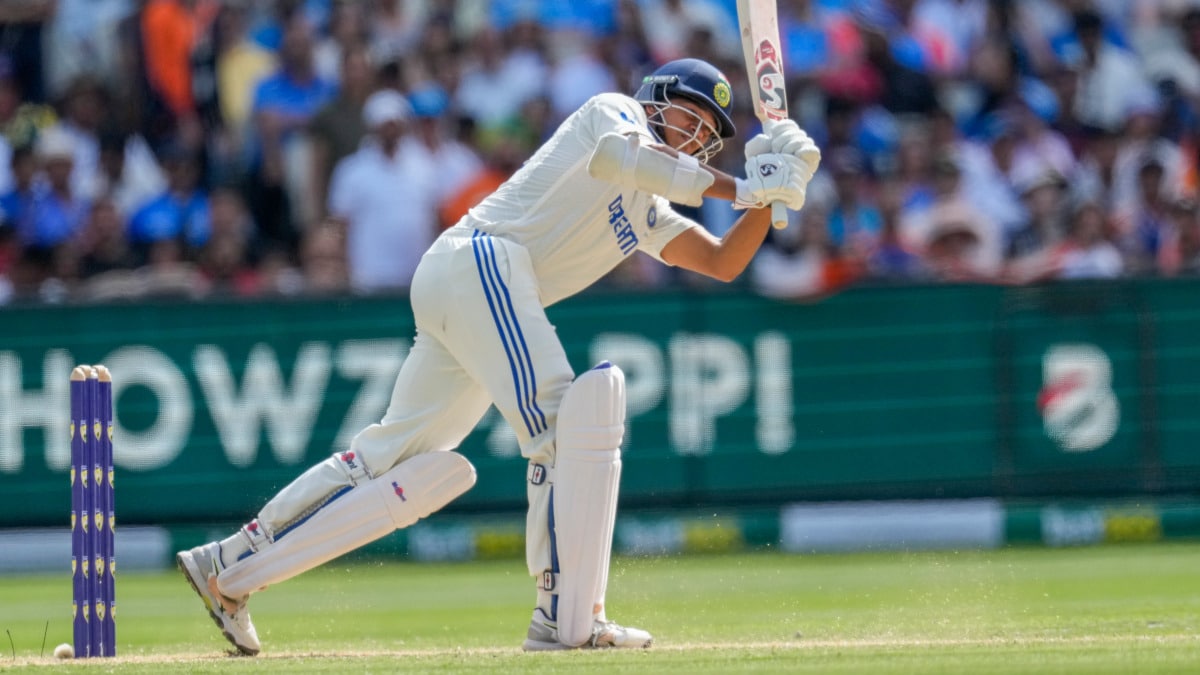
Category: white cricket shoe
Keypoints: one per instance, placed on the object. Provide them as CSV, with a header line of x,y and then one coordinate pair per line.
x,y
543,636
200,566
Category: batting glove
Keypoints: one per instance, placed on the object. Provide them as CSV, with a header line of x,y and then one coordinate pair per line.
x,y
773,177
788,138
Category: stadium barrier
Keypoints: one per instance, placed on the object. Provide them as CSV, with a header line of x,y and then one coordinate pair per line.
x,y
800,528
1081,391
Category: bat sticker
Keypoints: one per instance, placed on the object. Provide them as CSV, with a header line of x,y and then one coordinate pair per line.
x,y
770,80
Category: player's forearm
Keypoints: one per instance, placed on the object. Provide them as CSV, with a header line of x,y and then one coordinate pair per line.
x,y
724,187
741,243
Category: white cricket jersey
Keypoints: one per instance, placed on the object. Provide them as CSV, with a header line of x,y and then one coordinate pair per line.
x,y
575,227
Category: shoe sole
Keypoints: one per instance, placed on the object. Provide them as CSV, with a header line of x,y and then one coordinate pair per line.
x,y
191,572
539,646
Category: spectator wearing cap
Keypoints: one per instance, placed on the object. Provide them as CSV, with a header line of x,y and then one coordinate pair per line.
x,y
386,196
973,248
57,211
458,164
86,109
953,248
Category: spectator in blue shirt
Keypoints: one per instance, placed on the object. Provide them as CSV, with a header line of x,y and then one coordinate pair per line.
x,y
55,212
284,103
180,213
17,202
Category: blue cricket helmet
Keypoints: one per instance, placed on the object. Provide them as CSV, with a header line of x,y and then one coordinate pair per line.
x,y
696,80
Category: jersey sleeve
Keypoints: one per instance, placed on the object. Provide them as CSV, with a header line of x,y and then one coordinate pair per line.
x,y
665,226
616,112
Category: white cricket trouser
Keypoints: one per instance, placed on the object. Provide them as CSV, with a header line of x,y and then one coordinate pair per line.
x,y
482,338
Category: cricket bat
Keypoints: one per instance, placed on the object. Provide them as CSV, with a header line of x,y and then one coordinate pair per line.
x,y
759,24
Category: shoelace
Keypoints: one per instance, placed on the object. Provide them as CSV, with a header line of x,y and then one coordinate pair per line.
x,y
602,628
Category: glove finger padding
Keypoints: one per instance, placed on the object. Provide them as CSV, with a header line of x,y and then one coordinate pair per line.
x,y
759,145
787,138
783,134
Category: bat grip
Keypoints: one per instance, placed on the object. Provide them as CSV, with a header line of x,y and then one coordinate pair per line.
x,y
779,216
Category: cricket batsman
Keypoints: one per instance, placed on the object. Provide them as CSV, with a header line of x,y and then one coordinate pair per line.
x,y
600,189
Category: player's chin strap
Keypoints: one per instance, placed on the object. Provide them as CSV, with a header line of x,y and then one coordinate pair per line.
x,y
409,491
628,161
586,479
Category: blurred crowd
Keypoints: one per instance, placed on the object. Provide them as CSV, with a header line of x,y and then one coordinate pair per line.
x,y
250,148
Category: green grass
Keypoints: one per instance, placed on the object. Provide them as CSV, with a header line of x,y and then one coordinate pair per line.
x,y
1118,609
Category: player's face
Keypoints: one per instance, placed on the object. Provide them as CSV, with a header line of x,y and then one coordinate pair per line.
x,y
691,128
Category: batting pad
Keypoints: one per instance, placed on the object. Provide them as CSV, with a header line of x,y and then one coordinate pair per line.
x,y
400,497
587,474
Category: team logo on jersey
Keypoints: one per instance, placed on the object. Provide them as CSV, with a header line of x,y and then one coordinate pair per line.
x,y
721,93
627,239
652,216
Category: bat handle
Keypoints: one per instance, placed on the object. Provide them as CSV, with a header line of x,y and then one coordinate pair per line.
x,y
779,215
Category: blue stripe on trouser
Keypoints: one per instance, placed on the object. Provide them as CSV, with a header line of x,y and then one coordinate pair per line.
x,y
522,348
553,557
500,329
291,527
